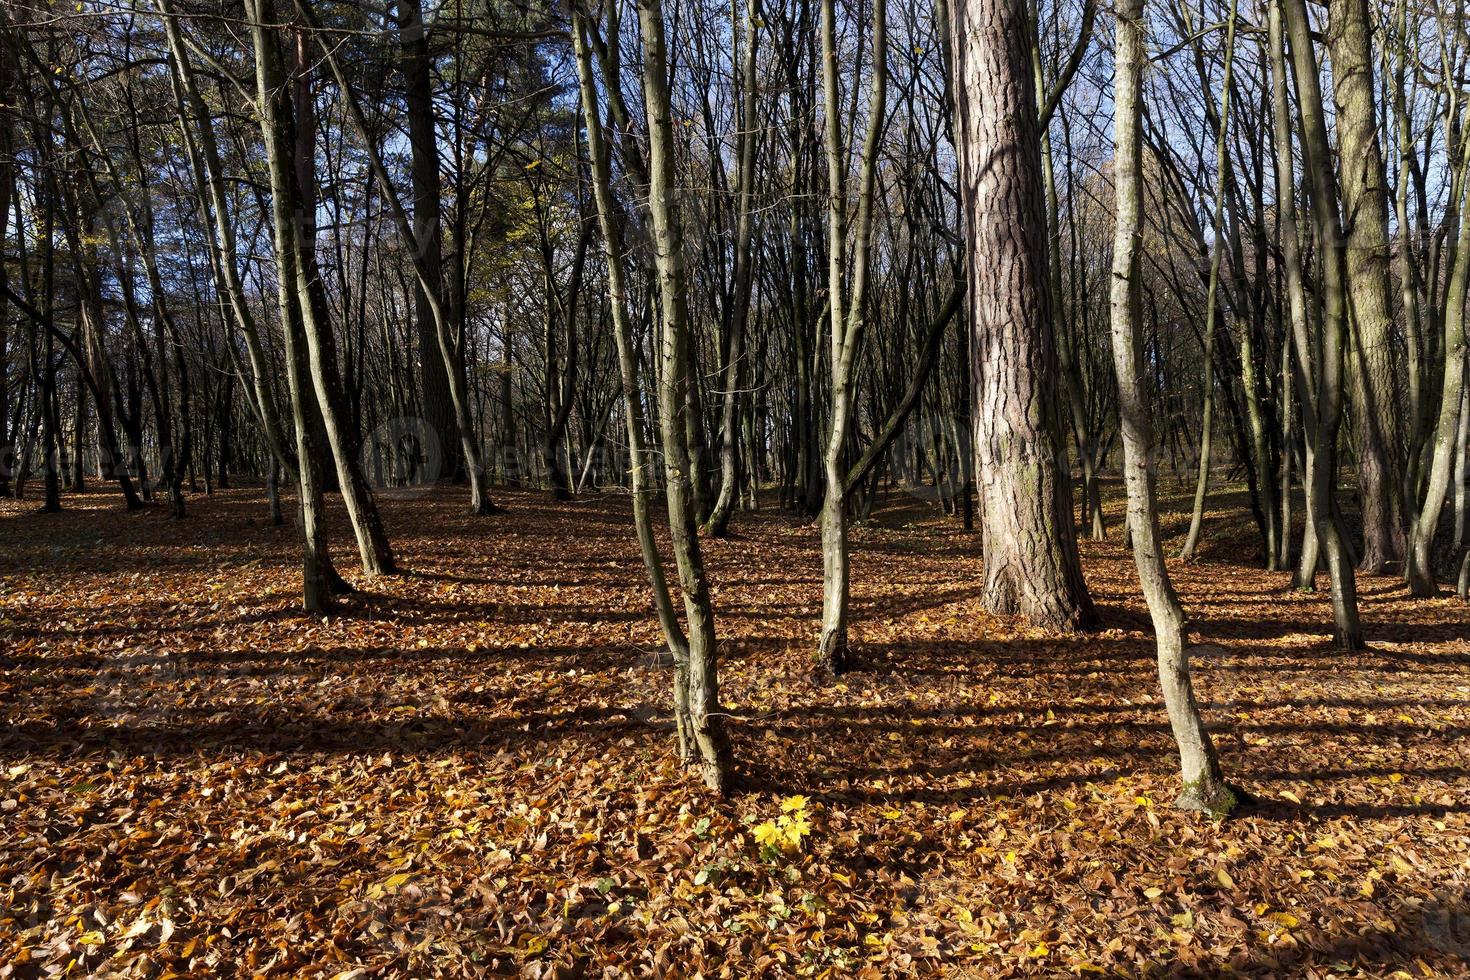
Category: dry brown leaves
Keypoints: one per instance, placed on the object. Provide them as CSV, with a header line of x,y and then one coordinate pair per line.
x,y
469,769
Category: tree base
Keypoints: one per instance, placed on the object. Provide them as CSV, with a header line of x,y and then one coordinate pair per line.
x,y
716,775
337,585
1218,799
833,659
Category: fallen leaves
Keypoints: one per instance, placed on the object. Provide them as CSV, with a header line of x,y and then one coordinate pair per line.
x,y
469,769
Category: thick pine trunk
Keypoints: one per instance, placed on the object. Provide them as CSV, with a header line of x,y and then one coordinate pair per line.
x,y
1032,567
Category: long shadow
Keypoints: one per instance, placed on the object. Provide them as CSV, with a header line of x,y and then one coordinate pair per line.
x,y
1437,932
308,733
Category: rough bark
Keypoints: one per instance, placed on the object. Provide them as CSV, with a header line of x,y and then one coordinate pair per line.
x,y
1032,568
1364,189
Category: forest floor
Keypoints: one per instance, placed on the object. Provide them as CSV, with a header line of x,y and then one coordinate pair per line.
x,y
470,768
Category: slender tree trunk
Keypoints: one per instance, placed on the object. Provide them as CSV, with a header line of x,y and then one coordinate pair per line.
x,y
1317,161
209,176
1422,580
641,470
747,143
1288,441
846,314
1204,785
357,497
1462,442
1071,375
699,701
274,106
1212,298
434,370
431,288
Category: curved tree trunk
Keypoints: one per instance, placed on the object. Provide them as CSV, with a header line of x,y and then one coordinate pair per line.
x,y
641,468
318,576
1204,785
357,497
431,288
1317,161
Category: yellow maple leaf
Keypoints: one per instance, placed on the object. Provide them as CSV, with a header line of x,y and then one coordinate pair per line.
x,y
768,833
795,828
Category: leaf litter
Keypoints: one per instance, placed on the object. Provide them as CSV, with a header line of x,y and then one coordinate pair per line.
x,y
469,769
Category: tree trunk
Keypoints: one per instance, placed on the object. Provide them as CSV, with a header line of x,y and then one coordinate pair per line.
x,y
641,467
1212,298
1317,161
1373,391
273,97
1032,566
1204,785
846,314
696,683
415,63
357,497
431,288
747,140
1422,580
